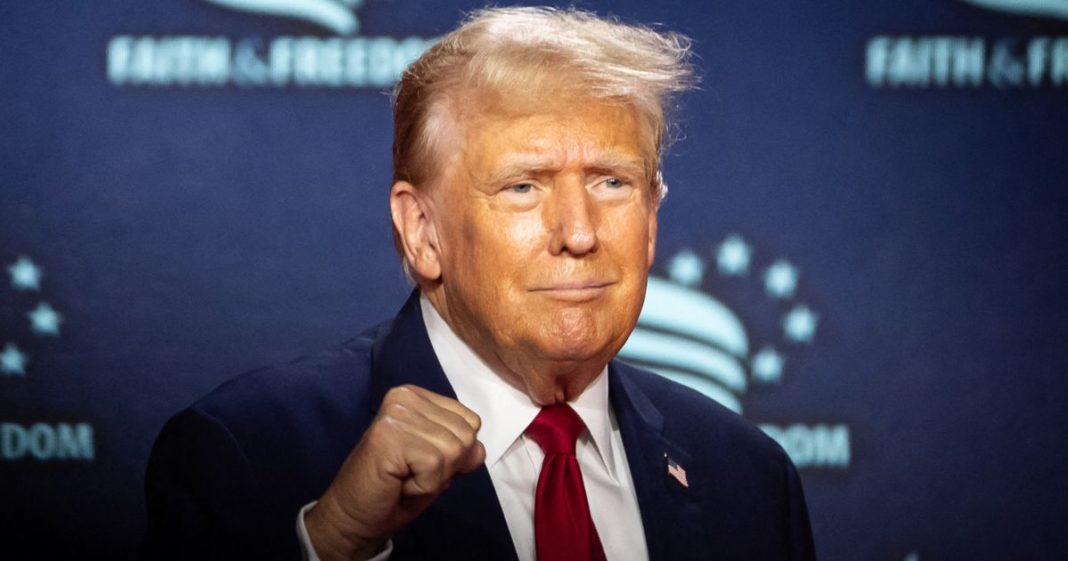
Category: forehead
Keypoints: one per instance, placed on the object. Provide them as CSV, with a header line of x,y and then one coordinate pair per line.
x,y
554,136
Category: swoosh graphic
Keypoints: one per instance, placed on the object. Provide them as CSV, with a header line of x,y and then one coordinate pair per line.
x,y
678,353
1050,8
678,309
326,13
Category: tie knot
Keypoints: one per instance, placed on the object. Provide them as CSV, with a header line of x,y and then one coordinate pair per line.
x,y
556,429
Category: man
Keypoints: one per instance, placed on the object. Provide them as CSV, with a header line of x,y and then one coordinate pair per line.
x,y
488,420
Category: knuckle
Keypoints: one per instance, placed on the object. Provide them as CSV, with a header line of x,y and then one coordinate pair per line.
x,y
453,448
476,422
379,433
399,393
395,411
468,439
435,460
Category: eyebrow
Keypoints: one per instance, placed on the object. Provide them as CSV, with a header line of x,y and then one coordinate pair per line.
x,y
527,164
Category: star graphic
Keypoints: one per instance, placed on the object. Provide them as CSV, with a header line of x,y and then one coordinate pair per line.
x,y
45,320
767,365
780,280
13,361
733,255
25,275
686,268
800,324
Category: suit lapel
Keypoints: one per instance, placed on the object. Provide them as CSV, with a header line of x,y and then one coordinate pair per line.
x,y
671,513
402,355
466,521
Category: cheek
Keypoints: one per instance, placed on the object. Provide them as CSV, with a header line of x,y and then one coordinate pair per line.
x,y
510,246
633,231
494,261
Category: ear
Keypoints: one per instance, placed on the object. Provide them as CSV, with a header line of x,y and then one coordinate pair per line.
x,y
415,230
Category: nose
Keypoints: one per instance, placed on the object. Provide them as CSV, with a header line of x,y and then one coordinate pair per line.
x,y
570,217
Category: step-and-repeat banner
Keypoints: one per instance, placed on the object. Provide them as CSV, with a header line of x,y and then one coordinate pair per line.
x,y
863,252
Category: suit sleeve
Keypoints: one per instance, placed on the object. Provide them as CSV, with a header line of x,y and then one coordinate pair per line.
x,y
801,545
202,497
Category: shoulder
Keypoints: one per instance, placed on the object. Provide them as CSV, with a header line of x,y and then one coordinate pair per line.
x,y
313,406
324,380
286,428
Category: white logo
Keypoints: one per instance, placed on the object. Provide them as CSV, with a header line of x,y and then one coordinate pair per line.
x,y
951,61
969,61
687,335
42,320
36,324
1049,8
336,15
343,60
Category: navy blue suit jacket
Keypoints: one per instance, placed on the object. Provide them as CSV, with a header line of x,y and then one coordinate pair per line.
x,y
228,475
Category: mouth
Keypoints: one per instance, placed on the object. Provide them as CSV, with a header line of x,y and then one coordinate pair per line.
x,y
574,291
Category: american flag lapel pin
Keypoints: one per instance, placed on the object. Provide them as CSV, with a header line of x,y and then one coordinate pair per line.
x,y
676,472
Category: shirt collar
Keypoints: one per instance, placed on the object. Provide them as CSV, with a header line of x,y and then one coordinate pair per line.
x,y
507,411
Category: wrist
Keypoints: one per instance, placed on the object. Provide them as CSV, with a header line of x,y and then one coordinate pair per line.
x,y
332,538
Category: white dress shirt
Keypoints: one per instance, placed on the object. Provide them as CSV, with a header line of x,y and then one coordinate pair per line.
x,y
514,460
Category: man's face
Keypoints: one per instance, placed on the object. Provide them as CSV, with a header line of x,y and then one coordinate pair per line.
x,y
546,227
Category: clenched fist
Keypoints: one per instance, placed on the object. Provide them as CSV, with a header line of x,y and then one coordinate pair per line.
x,y
413,449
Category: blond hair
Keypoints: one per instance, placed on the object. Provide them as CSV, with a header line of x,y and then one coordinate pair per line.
x,y
570,52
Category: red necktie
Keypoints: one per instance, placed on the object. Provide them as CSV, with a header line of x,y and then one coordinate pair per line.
x,y
563,529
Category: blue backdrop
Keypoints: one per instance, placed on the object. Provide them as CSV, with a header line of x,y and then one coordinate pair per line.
x,y
866,236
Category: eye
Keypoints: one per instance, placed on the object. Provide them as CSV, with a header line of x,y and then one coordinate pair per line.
x,y
521,187
613,183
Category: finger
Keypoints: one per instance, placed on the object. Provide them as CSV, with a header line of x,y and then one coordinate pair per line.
x,y
414,412
457,440
469,416
456,424
405,453
426,402
432,472
413,400
430,468
476,456
470,454
414,432
449,432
